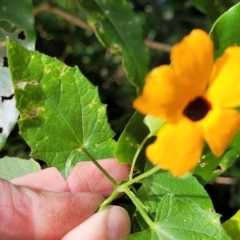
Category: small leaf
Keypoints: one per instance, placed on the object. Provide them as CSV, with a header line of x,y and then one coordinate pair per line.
x,y
8,112
130,139
225,31
181,218
232,226
118,28
11,167
212,9
61,116
153,124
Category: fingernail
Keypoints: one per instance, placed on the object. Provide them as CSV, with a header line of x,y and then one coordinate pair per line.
x,y
118,223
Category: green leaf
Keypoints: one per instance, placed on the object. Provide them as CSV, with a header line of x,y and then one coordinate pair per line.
x,y
8,112
153,124
61,116
211,167
225,31
104,149
19,27
232,226
118,28
11,167
162,182
212,9
206,166
180,218
129,141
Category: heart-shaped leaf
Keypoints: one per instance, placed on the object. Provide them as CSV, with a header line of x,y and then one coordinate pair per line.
x,y
61,116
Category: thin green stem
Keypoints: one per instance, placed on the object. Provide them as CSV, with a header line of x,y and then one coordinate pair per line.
x,y
109,200
141,176
138,205
107,175
125,188
136,156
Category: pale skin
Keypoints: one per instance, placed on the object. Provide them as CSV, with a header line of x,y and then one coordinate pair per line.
x,y
43,205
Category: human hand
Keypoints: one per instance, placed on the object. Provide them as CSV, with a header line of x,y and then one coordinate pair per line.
x,y
43,205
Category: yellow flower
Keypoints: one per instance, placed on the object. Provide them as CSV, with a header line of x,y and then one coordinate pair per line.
x,y
197,98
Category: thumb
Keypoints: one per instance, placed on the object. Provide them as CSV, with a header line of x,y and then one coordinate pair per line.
x,y
112,223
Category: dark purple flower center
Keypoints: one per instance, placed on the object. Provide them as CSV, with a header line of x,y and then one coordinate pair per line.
x,y
197,109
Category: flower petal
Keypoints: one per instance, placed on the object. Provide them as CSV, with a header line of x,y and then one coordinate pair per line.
x,y
192,62
162,95
224,89
219,127
178,147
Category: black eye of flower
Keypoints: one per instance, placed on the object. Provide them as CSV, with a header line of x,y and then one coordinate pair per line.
x,y
197,109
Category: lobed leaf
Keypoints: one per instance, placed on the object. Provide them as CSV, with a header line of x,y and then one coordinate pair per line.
x,y
118,28
61,116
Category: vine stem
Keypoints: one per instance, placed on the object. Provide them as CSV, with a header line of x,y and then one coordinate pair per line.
x,y
138,205
143,175
136,156
108,200
134,199
125,188
62,14
107,175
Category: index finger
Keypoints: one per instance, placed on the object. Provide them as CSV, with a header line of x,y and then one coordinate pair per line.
x,y
85,177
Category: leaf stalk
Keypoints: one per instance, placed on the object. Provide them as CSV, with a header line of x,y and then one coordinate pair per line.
x,y
107,175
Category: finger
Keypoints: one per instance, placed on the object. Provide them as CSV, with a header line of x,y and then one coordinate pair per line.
x,y
25,214
85,177
112,223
